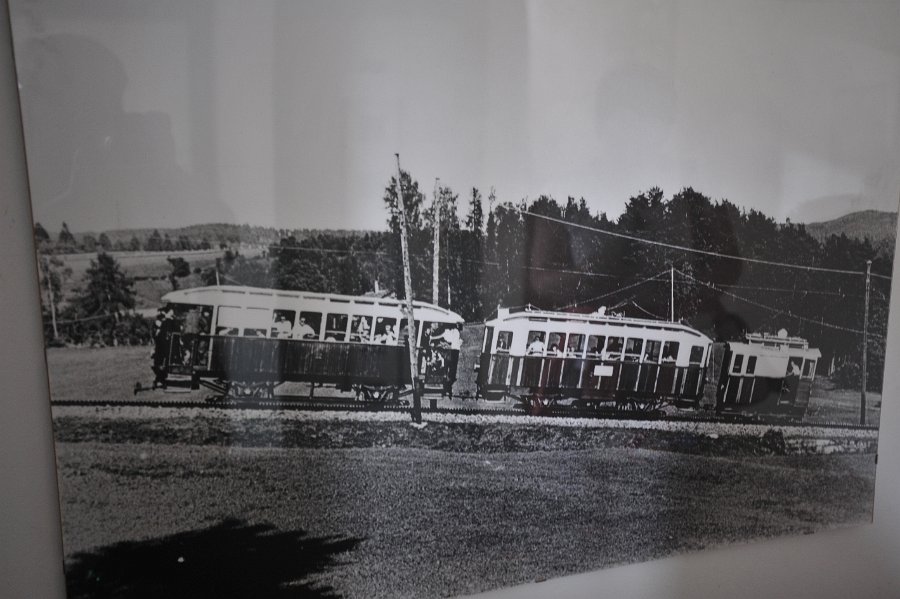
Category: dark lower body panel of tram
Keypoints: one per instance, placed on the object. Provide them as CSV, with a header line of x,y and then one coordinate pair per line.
x,y
257,365
590,382
634,386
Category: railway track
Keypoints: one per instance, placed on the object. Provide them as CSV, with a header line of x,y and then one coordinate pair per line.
x,y
344,405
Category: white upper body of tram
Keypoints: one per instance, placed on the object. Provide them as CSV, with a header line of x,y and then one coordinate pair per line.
x,y
259,312
595,336
773,356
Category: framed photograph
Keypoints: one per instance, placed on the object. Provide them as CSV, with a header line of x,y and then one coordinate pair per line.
x,y
405,299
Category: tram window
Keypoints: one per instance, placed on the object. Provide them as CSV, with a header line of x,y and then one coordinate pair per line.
x,y
633,349
751,364
282,323
737,363
504,341
595,345
556,343
228,321
651,353
486,342
361,329
696,355
251,332
205,324
536,345
403,332
444,335
336,327
575,346
670,351
425,330
614,348
307,326
808,368
190,319
386,330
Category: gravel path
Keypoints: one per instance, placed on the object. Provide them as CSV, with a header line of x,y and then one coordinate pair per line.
x,y
701,428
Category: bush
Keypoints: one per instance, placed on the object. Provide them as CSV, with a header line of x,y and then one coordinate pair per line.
x,y
849,376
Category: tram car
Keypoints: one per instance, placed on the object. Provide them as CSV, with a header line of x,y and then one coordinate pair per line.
x,y
543,358
245,341
764,375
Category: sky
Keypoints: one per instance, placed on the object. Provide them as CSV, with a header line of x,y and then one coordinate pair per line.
x,y
285,113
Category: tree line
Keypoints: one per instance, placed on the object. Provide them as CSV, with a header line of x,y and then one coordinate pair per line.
x,y
502,253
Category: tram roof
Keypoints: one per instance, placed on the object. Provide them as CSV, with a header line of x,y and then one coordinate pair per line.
x,y
220,293
532,314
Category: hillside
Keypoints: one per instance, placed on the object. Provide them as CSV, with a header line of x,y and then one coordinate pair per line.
x,y
214,234
878,225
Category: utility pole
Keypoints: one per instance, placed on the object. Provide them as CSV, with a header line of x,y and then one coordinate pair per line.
x,y
407,283
865,346
49,276
436,250
672,294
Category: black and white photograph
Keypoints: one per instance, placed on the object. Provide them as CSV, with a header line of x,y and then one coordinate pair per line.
x,y
426,299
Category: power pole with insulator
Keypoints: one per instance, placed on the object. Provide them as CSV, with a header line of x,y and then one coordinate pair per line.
x,y
407,283
865,346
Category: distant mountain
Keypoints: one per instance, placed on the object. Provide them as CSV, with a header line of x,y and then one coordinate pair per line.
x,y
878,225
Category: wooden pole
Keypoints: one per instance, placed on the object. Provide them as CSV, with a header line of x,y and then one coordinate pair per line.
x,y
407,283
436,250
865,346
672,294
49,276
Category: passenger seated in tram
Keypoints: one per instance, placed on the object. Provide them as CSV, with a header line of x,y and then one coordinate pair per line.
x,y
281,329
388,337
302,330
504,338
536,347
555,351
361,329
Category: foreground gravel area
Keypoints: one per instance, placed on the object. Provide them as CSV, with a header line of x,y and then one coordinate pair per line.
x,y
162,520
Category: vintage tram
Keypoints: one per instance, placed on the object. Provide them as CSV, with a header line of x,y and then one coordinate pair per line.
x,y
543,357
764,375
245,341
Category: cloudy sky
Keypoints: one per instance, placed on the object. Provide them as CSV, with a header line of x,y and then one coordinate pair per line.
x,y
288,112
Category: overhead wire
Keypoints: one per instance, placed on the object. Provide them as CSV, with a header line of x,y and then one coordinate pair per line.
x,y
613,292
682,248
787,313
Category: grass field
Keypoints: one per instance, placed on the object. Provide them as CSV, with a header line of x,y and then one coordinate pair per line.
x,y
209,521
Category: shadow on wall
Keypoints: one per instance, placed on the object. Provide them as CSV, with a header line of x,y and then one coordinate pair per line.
x,y
230,559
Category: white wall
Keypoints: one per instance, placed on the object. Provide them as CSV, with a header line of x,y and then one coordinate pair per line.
x,y
858,562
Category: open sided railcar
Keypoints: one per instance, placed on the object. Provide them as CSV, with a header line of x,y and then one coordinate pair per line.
x,y
541,357
246,341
